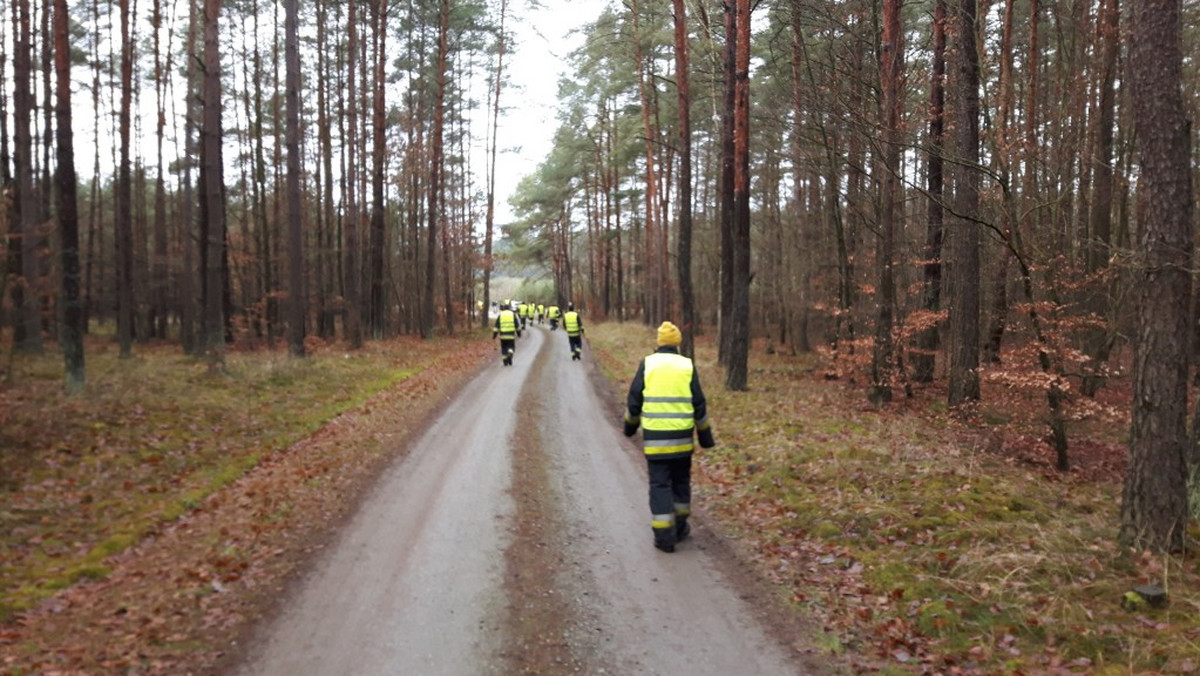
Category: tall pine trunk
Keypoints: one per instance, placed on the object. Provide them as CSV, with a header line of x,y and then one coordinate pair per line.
x,y
124,193
924,360
726,201
68,209
380,148
212,193
1154,505
159,277
963,236
351,270
891,73
435,176
296,296
12,238
684,263
737,365
653,311
29,333
490,216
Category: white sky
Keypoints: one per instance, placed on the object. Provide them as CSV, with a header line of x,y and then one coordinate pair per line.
x,y
528,121
534,65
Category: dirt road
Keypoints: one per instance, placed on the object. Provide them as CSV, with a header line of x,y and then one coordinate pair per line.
x,y
513,537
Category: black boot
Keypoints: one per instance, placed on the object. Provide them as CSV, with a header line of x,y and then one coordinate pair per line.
x,y
682,529
664,539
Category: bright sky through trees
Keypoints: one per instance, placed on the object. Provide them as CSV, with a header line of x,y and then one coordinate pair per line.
x,y
545,38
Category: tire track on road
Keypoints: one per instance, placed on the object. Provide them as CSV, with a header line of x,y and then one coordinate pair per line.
x,y
544,627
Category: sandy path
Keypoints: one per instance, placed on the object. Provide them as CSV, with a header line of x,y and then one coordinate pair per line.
x,y
496,549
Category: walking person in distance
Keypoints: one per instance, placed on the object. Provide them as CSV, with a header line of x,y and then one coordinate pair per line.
x,y
573,324
508,329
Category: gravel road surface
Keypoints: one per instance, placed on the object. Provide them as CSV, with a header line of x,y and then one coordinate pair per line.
x,y
513,537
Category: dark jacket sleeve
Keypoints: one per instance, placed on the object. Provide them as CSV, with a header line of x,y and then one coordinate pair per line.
x,y
700,406
633,403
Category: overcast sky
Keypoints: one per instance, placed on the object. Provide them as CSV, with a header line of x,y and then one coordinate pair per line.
x,y
545,38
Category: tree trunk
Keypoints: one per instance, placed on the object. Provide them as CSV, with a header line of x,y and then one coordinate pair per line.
x,y
725,332
8,192
380,148
963,237
351,270
1004,160
1154,506
159,282
326,246
212,194
1099,342
68,210
924,360
435,174
891,73
187,290
799,329
684,264
24,296
737,365
653,310
9,189
124,194
490,217
296,296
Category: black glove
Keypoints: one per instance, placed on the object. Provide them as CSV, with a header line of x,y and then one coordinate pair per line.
x,y
706,438
630,428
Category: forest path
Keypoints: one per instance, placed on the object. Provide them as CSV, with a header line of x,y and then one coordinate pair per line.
x,y
513,537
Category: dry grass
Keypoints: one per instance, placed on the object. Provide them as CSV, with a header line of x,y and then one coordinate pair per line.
x,y
923,541
85,477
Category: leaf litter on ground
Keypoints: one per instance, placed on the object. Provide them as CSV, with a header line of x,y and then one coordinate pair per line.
x,y
927,542
188,499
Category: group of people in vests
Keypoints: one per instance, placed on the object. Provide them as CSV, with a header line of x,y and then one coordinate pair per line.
x,y
511,322
665,400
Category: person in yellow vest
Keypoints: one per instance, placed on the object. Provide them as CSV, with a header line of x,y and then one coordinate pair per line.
x,y
666,399
541,312
552,313
573,324
508,329
523,314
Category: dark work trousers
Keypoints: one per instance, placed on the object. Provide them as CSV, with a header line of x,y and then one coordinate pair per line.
x,y
507,344
670,483
576,343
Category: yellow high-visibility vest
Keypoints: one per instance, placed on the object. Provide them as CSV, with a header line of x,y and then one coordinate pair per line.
x,y
668,417
571,323
508,324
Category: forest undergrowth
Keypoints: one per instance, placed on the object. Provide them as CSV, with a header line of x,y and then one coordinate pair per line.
x,y
147,524
929,542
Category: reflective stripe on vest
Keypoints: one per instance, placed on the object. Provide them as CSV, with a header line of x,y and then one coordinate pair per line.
x,y
508,324
571,323
668,418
